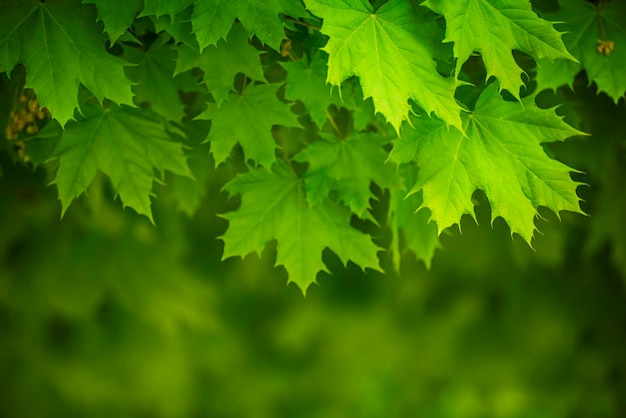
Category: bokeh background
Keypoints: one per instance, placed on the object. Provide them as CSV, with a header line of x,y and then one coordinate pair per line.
x,y
104,315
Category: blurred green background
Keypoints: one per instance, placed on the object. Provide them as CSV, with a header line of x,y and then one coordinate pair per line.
x,y
104,315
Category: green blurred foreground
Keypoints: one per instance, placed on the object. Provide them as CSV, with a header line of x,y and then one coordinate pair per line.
x,y
102,315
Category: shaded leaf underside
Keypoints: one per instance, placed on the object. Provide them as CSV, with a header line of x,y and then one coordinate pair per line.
x,y
274,207
586,27
124,143
60,47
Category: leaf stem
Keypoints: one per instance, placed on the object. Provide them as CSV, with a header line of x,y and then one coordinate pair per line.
x,y
283,151
333,123
299,22
377,126
292,57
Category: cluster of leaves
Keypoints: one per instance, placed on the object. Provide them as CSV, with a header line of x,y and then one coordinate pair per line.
x,y
318,106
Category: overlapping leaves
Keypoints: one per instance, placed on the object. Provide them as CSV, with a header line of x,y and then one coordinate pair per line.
x,y
116,15
126,144
222,62
390,51
306,81
495,28
347,166
596,36
60,46
411,230
154,74
500,154
274,207
393,52
247,119
212,19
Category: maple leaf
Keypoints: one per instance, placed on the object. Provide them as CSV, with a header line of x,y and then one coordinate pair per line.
x,y
552,75
164,7
494,28
273,206
188,193
362,110
9,54
116,15
411,230
307,82
247,119
60,47
124,143
212,20
153,74
178,27
390,54
221,63
596,37
501,154
347,166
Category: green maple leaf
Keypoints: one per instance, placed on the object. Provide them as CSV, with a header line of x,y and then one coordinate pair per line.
x,y
411,230
188,193
348,167
60,47
221,63
212,20
116,15
178,27
273,206
586,25
501,154
307,82
164,7
362,110
494,28
124,143
247,119
153,74
390,53
552,75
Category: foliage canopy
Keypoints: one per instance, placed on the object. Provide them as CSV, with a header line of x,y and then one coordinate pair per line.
x,y
317,109
255,143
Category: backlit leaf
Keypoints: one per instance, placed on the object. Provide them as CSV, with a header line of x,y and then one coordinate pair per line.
x,y
495,28
501,154
390,52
